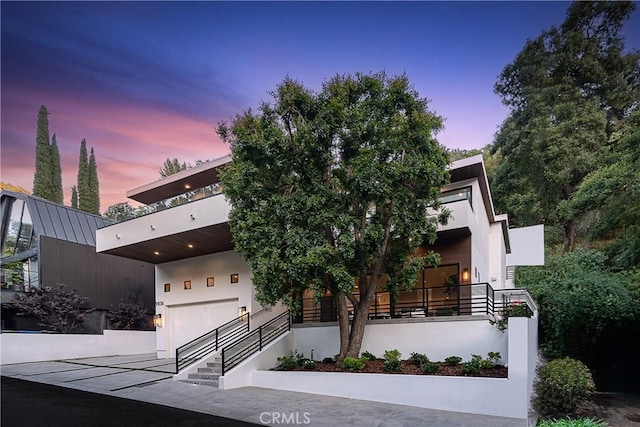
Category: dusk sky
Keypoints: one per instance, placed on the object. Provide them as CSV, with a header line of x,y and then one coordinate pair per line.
x,y
145,81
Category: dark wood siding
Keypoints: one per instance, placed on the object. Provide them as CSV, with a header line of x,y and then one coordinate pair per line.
x,y
104,279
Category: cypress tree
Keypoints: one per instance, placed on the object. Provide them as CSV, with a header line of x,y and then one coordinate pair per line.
x,y
56,193
83,178
74,197
42,175
94,187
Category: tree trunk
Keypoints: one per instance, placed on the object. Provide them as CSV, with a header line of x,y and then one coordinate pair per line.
x,y
343,323
569,234
360,318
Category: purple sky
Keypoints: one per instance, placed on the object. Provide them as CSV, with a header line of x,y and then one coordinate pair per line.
x,y
145,81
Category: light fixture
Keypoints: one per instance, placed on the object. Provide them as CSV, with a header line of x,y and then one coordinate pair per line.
x,y
465,274
152,227
187,186
190,246
157,320
242,310
193,217
117,236
234,278
156,253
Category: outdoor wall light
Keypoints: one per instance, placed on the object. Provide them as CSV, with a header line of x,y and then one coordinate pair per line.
x,y
117,236
192,217
152,227
234,278
242,310
465,274
157,320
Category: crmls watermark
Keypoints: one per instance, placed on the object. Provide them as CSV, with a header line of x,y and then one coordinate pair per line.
x,y
285,418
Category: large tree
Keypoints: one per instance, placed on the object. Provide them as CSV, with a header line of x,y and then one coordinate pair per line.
x,y
569,90
330,192
47,179
94,185
170,167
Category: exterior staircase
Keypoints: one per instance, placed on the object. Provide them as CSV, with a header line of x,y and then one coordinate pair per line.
x,y
207,375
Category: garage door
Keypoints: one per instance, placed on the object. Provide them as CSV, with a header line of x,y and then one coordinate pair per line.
x,y
189,321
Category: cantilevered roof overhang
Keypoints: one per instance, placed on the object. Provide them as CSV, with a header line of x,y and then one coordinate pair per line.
x,y
193,178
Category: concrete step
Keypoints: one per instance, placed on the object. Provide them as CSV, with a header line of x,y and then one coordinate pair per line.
x,y
210,370
208,383
203,376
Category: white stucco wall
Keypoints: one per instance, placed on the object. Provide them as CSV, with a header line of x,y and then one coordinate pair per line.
x,y
490,396
201,308
437,338
36,347
497,262
527,245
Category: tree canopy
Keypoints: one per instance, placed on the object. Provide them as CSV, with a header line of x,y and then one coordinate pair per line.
x,y
330,191
47,178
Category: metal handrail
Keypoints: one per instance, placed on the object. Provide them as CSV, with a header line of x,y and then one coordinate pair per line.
x,y
211,341
243,347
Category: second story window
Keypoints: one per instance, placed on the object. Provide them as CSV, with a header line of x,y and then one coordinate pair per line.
x,y
456,195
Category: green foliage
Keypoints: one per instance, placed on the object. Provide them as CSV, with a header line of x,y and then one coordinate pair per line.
x,y
130,313
452,360
392,362
47,178
120,212
580,301
309,364
513,309
331,186
561,385
571,91
94,186
471,368
329,360
83,178
57,309
290,362
171,166
580,422
418,358
368,356
74,197
429,367
354,364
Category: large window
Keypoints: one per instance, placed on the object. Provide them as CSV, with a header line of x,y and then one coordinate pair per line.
x,y
456,195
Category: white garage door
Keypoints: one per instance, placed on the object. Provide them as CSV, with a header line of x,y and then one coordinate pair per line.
x,y
187,322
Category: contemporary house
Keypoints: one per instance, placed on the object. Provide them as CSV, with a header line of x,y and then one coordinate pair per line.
x,y
204,293
44,243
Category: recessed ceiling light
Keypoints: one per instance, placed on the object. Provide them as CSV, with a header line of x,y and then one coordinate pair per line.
x,y
190,245
157,253
187,186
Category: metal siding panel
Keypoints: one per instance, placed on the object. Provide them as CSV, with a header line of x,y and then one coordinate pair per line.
x,y
75,224
35,216
66,224
87,233
46,219
54,214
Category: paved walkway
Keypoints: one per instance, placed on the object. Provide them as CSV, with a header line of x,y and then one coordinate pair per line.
x,y
143,377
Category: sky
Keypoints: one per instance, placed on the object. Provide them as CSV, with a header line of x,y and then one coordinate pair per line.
x,y
147,81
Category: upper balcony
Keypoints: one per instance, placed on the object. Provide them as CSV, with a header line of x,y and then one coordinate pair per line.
x,y
187,230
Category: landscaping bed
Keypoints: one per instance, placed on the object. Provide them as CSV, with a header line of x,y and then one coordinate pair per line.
x,y
408,368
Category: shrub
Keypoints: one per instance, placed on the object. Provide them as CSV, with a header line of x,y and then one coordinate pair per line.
x,y
309,364
452,360
392,361
129,313
429,367
353,364
328,360
513,309
419,359
293,360
561,385
368,356
58,309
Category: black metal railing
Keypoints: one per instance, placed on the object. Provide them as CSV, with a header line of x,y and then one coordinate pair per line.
x,y
468,299
239,350
210,342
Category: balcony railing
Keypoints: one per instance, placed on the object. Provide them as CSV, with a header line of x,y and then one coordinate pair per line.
x,y
455,300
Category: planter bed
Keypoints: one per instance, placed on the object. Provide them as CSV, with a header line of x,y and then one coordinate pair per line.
x,y
408,368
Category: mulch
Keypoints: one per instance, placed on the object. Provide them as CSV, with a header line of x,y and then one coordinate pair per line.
x,y
409,368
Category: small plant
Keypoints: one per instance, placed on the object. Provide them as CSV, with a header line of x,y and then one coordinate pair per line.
x,y
429,367
419,359
452,360
392,361
328,360
352,364
493,357
513,309
561,386
470,368
368,356
309,364
290,362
